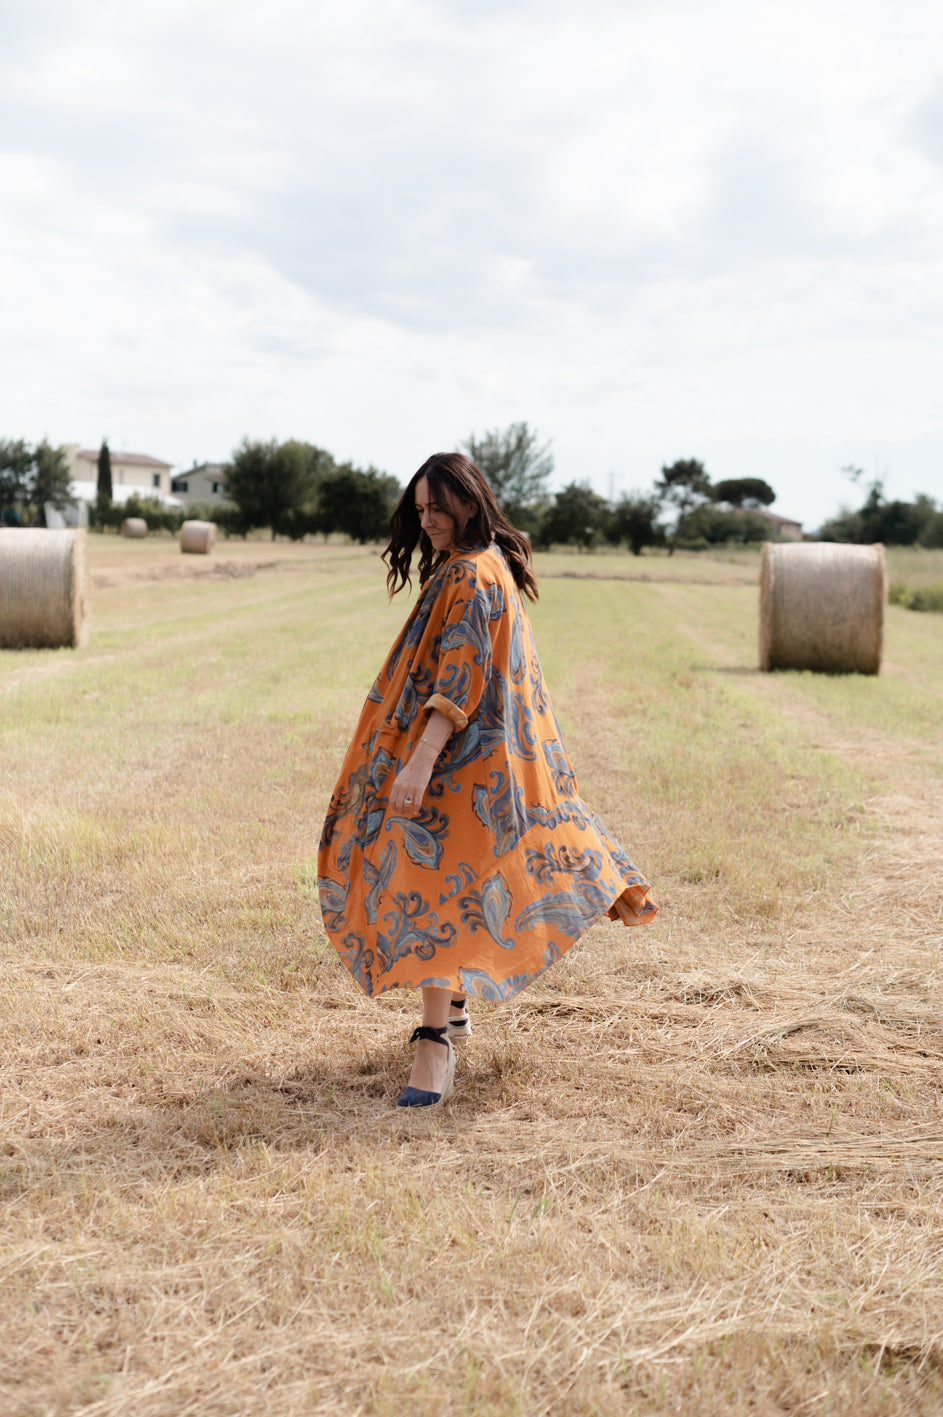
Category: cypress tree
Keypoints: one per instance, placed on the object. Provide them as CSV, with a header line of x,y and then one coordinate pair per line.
x,y
104,474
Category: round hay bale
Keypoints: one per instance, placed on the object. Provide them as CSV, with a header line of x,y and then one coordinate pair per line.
x,y
822,607
134,526
43,588
198,537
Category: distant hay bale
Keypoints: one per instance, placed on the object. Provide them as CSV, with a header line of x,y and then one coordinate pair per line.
x,y
822,607
134,526
43,588
198,537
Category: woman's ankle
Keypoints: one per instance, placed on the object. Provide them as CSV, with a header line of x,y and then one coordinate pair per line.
x,y
429,1066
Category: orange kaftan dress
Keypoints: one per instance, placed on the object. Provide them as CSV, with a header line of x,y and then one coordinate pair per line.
x,y
505,865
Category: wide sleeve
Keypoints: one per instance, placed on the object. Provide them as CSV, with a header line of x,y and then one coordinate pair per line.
x,y
464,658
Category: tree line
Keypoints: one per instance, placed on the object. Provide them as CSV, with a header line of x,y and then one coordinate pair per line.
x,y
682,509
896,523
297,489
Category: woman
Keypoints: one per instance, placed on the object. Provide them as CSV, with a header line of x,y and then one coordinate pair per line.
x,y
457,856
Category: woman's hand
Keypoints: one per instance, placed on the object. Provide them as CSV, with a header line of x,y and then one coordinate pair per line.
x,y
410,785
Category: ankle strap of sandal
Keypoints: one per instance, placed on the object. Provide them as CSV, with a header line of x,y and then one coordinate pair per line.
x,y
458,1003
433,1035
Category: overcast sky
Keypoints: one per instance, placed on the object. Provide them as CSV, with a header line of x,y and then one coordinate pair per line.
x,y
652,229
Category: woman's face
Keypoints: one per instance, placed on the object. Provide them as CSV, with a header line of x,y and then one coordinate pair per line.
x,y
435,520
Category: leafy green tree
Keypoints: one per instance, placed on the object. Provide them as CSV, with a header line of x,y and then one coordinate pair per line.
x,y
296,488
932,534
359,504
517,468
16,461
578,516
306,467
634,521
896,523
711,525
743,492
248,478
274,485
49,482
683,486
845,525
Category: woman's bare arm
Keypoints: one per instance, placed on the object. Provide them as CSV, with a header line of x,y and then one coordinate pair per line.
x,y
411,784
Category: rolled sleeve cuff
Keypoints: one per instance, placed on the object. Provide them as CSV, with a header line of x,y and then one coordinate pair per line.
x,y
452,711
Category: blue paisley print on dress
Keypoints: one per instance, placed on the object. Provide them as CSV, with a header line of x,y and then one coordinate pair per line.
x,y
505,865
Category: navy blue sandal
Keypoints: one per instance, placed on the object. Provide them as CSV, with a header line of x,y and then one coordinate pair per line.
x,y
417,1096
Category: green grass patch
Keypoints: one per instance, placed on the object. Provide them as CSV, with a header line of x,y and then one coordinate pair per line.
x,y
922,598
739,821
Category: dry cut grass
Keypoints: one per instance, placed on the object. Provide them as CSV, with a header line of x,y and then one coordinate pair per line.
x,y
697,1169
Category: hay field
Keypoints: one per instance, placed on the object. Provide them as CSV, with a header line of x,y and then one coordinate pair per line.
x,y
698,1169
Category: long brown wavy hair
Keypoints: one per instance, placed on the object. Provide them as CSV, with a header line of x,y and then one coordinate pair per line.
x,y
453,479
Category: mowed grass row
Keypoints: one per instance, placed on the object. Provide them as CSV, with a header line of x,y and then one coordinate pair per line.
x,y
640,1199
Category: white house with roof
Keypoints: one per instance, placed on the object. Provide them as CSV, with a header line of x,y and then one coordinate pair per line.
x,y
137,471
131,473
203,483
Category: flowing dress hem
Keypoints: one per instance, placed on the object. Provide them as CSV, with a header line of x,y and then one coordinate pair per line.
x,y
634,906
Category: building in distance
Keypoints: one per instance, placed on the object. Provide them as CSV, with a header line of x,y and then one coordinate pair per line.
x,y
203,483
131,474
137,471
779,526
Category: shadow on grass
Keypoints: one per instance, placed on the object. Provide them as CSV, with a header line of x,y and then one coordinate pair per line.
x,y
358,1097
178,1133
